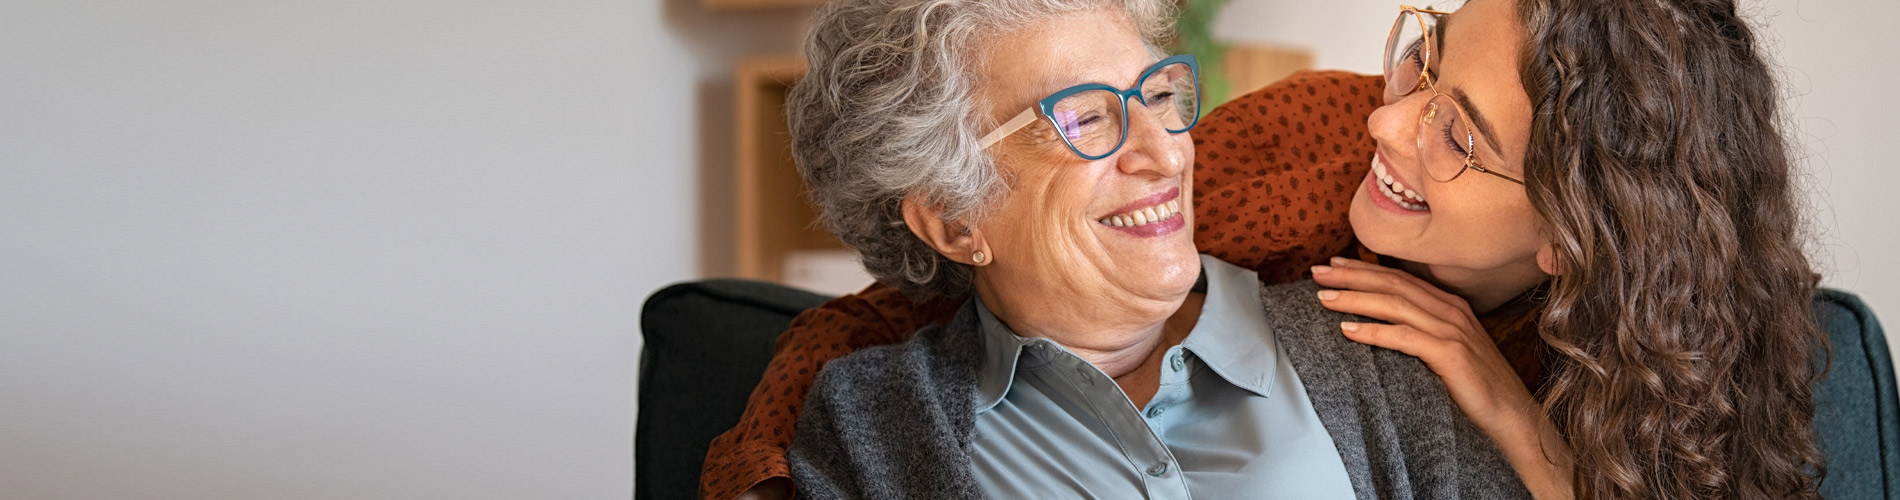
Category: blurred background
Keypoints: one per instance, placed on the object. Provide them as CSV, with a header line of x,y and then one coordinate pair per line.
x,y
397,249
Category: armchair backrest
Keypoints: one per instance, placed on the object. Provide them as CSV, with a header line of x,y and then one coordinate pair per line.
x,y
1856,414
708,342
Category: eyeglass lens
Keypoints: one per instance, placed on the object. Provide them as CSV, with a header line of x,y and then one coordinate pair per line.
x,y
1445,140
1091,121
1406,52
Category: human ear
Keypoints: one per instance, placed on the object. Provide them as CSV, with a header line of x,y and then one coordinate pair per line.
x,y
1547,259
957,242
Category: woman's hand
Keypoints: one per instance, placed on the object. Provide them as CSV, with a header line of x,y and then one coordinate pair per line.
x,y
1439,328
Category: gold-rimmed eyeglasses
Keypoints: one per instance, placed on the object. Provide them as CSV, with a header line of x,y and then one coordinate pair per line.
x,y
1446,142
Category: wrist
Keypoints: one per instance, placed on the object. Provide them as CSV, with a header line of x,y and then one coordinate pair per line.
x,y
1537,451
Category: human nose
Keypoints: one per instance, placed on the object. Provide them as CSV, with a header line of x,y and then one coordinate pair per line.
x,y
1395,125
1150,147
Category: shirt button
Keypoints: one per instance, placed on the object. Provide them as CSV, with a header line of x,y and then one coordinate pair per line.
x,y
1158,469
1084,372
1176,363
1156,411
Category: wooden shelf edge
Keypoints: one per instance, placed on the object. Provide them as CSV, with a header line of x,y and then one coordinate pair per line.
x,y
752,80
731,5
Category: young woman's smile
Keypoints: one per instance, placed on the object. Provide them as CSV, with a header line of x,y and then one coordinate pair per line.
x,y
1388,191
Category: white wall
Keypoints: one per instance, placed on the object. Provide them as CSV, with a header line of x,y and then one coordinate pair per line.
x,y
1840,69
1838,64
315,250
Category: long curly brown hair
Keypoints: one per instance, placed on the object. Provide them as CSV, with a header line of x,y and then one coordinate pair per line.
x,y
1681,312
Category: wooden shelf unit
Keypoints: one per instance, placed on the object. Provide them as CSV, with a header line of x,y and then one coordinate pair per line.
x,y
773,218
1250,67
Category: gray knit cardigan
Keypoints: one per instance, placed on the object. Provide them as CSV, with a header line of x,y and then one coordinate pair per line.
x,y
897,422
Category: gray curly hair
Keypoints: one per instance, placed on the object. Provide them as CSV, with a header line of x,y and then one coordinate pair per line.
x,y
889,109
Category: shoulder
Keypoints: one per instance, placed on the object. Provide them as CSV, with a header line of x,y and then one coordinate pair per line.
x,y
1275,170
1310,95
937,355
1311,331
1293,310
892,421
1389,413
934,368
1316,84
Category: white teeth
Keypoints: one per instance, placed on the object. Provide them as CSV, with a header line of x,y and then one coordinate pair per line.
x,y
1395,190
1386,189
1144,216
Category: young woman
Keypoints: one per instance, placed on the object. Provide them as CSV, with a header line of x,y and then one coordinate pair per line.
x,y
1620,163
1589,200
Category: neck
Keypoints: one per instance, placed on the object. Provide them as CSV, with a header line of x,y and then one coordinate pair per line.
x,y
1170,333
1485,289
1116,350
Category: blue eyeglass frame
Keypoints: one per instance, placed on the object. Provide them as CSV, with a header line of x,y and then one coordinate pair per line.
x,y
1047,105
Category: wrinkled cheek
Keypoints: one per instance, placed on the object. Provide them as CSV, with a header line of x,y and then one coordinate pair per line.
x,y
1186,142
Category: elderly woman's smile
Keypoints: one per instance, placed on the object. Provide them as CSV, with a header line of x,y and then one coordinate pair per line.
x,y
1156,215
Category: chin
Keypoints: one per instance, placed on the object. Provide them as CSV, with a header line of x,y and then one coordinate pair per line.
x,y
1375,234
1184,269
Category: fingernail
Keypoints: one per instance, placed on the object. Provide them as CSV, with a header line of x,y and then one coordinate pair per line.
x,y
1338,261
1322,269
1328,294
1349,326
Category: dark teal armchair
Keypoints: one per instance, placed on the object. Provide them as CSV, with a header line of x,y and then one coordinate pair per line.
x,y
707,343
1857,415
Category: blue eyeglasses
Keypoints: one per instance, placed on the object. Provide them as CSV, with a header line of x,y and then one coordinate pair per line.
x,y
1092,118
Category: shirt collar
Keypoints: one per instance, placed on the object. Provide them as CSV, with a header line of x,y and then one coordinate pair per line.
x,y
1231,337
1002,348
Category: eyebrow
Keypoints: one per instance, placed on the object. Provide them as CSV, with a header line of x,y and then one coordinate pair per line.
x,y
1444,21
1464,100
1484,126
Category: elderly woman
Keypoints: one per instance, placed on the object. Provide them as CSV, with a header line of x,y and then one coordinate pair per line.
x,y
1033,155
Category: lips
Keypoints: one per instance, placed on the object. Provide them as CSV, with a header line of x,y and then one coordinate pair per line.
x,y
1152,216
1145,216
1148,210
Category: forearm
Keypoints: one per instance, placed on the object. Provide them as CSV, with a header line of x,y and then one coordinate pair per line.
x,y
1539,454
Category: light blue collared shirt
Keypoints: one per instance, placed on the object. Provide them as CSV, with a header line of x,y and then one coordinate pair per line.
x,y
1231,419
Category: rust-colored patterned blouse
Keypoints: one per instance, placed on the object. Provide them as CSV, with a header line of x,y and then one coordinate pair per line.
x,y
1276,170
